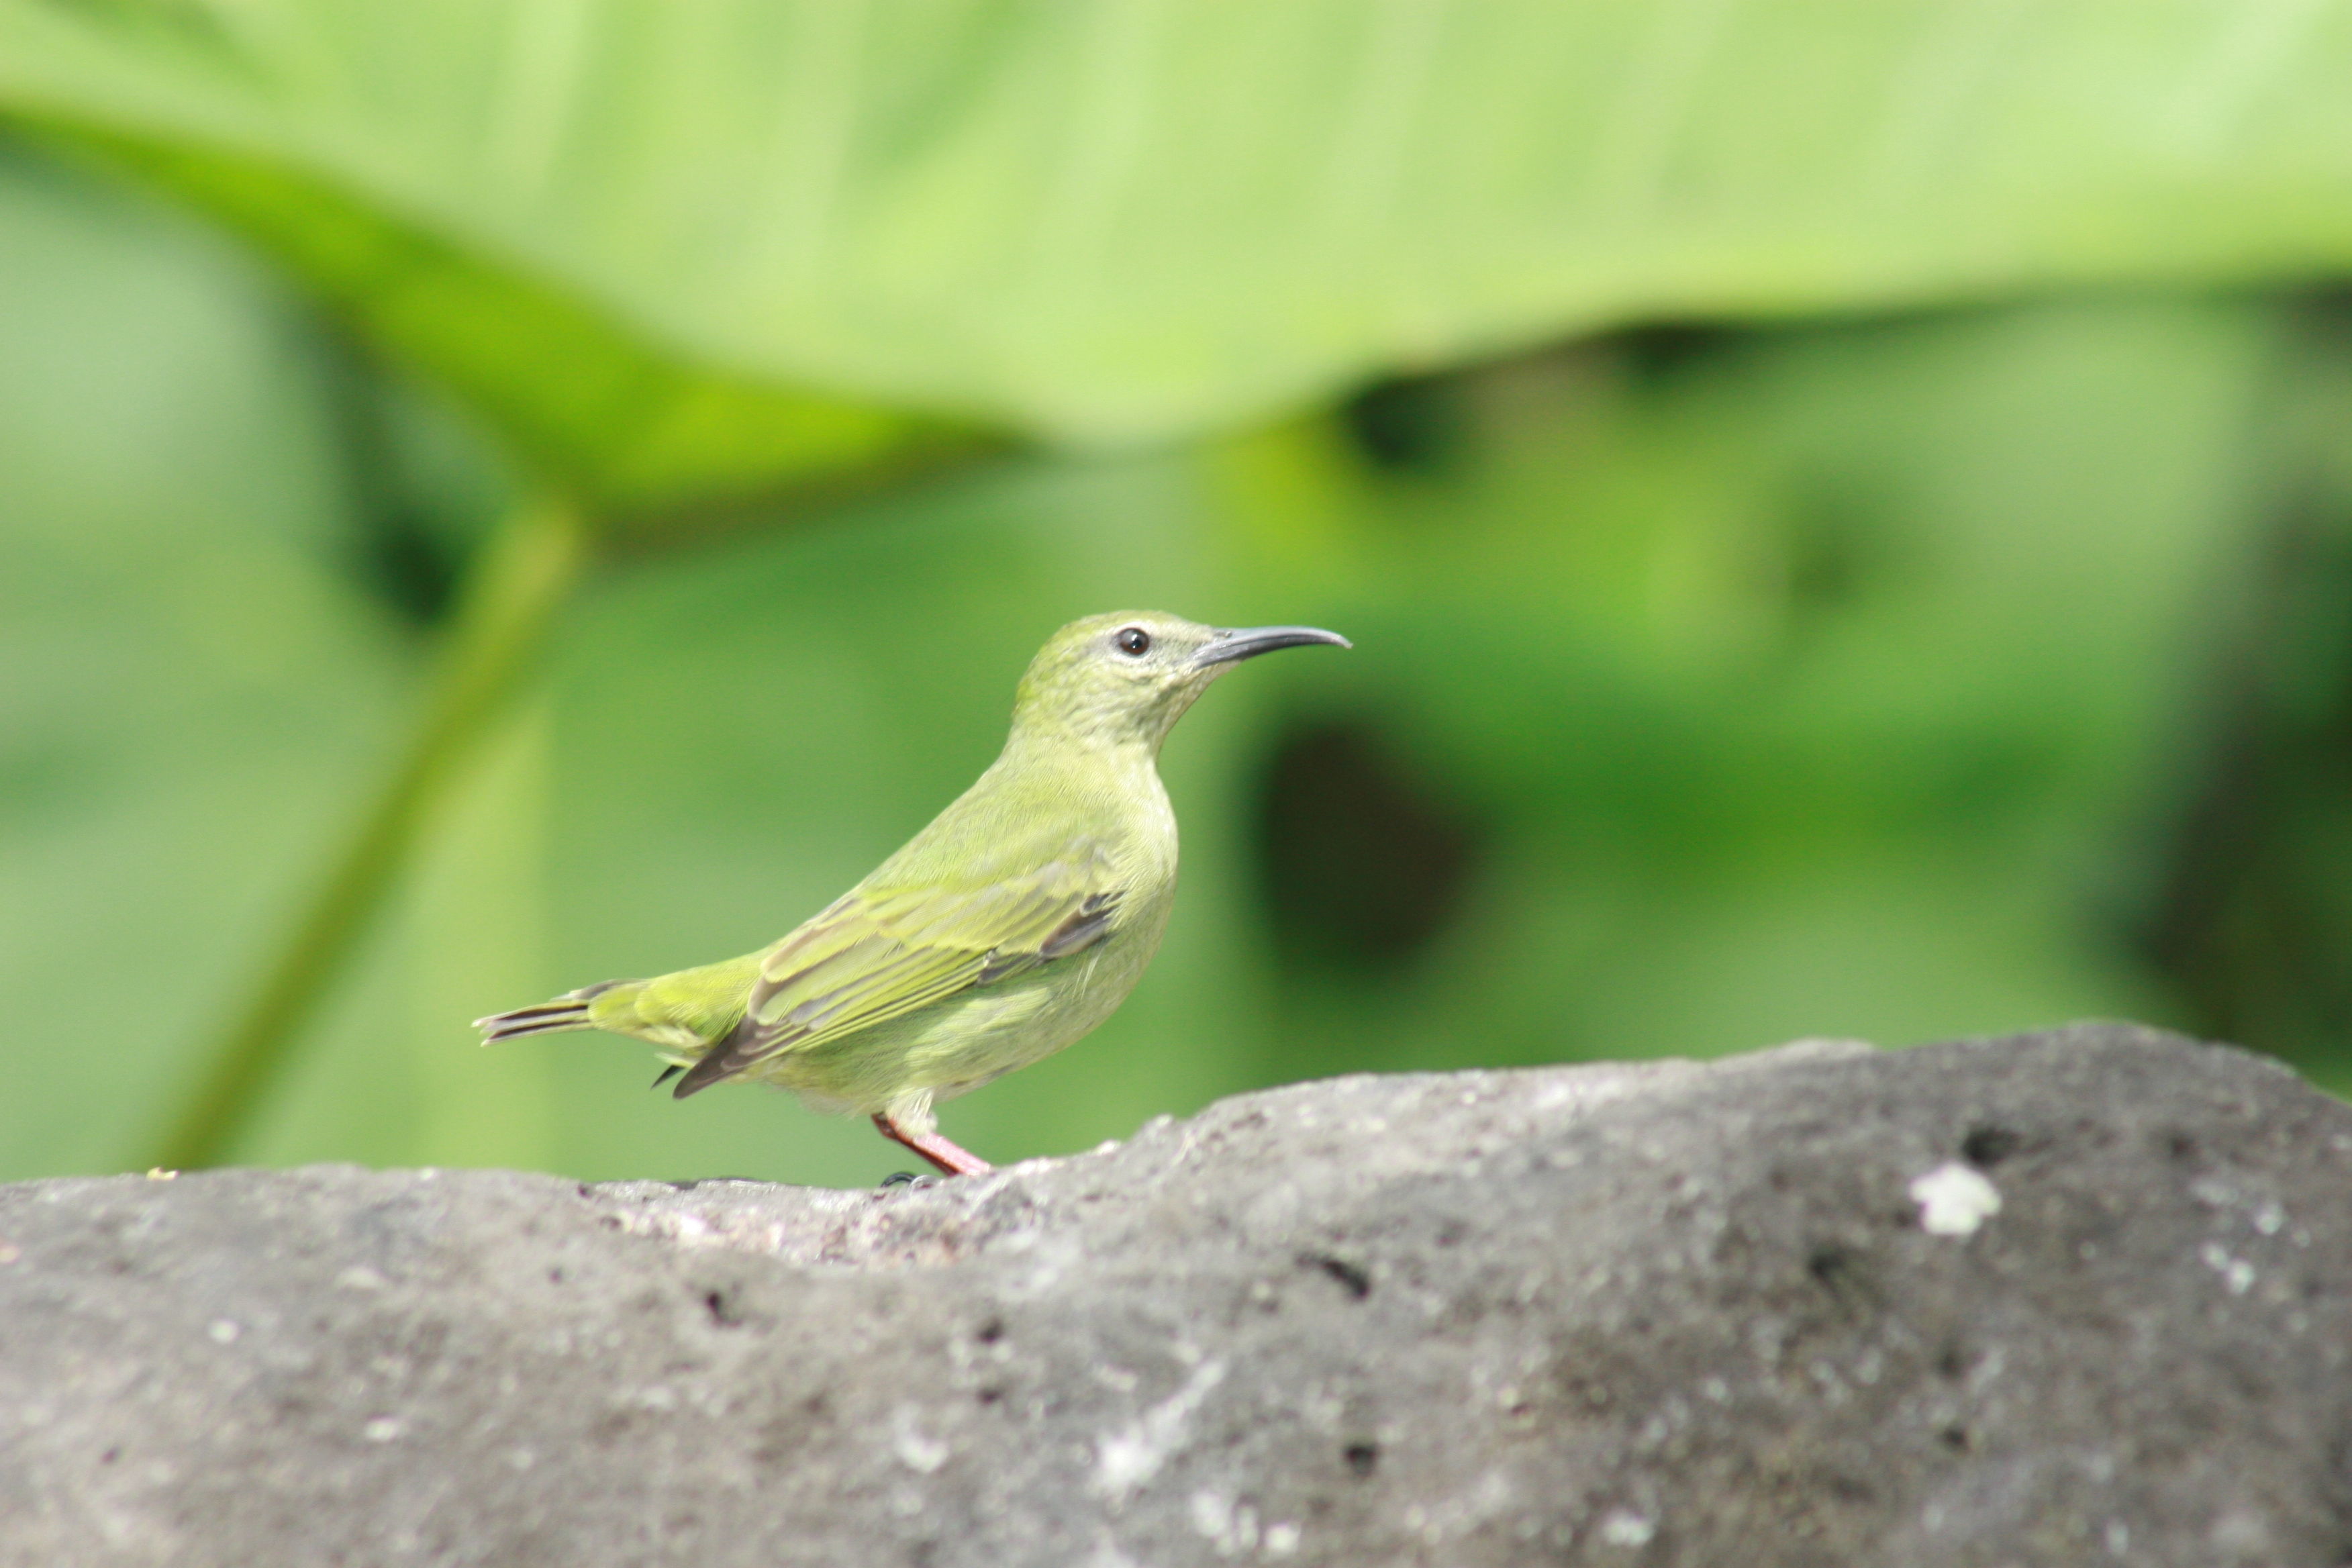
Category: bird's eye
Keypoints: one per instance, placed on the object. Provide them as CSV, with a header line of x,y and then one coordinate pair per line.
x,y
1134,641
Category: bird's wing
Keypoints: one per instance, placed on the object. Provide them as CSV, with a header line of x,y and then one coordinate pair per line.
x,y
881,951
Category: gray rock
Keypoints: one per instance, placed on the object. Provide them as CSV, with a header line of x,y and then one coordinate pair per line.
x,y
1758,1312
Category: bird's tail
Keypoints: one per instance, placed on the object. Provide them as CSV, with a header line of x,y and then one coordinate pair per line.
x,y
569,1011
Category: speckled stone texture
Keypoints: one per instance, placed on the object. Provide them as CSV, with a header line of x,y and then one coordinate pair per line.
x,y
2073,1298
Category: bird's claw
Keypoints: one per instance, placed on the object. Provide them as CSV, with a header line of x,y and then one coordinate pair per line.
x,y
907,1179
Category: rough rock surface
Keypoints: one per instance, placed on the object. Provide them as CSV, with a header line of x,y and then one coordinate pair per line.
x,y
1759,1313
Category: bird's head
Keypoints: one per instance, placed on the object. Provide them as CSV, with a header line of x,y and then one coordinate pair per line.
x,y
1128,676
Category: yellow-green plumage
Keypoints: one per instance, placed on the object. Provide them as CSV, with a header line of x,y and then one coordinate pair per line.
x,y
1013,924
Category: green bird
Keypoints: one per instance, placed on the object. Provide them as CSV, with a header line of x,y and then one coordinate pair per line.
x,y
1014,923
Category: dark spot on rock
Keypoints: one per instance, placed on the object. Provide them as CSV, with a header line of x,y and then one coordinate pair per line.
x,y
722,1311
1829,1264
1352,1278
1988,1146
1954,1438
555,1277
990,1394
989,1332
110,1455
1952,1361
1362,1458
2179,1146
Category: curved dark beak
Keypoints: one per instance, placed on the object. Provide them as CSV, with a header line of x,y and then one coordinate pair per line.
x,y
1251,641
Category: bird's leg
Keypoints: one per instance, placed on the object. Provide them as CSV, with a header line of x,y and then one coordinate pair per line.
x,y
955,1162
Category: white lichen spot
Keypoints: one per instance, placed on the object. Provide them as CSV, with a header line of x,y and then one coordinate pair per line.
x,y
1109,1556
1127,1459
383,1428
9,1253
2119,1538
223,1332
1623,1527
2214,1191
1282,1540
359,1277
2269,1218
1231,1529
157,1173
1954,1199
2235,1272
916,1449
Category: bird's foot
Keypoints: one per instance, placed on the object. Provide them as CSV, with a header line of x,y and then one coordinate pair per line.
x,y
953,1161
906,1179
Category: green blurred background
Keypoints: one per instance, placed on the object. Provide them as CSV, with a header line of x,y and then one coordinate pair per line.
x,y
1845,513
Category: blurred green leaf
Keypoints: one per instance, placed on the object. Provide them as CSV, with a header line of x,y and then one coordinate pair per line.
x,y
1114,220
652,442
522,580
192,674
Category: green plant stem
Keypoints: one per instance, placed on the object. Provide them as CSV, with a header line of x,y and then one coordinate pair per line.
x,y
517,582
